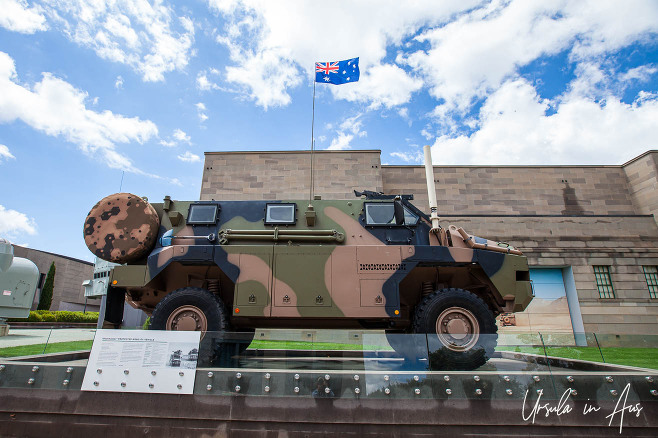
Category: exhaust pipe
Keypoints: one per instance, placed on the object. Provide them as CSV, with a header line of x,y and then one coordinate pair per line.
x,y
431,190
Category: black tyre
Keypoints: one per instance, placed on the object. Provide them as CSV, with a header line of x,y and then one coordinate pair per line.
x,y
190,309
462,332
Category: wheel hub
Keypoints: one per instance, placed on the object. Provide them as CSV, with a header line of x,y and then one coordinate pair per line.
x,y
187,318
457,329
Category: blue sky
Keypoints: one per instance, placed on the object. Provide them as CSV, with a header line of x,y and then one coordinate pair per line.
x,y
95,92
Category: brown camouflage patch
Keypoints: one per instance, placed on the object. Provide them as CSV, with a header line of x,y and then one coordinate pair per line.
x,y
121,228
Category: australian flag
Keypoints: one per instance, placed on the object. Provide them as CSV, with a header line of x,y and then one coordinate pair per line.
x,y
339,72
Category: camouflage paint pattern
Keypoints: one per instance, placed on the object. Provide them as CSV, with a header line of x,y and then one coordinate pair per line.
x,y
121,228
359,278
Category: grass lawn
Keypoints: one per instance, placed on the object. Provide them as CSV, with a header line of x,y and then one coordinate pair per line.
x,y
636,357
54,347
304,345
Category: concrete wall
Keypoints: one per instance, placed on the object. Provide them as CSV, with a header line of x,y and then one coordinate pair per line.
x,y
560,216
276,175
68,293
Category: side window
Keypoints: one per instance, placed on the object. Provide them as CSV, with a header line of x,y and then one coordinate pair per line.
x,y
280,214
410,217
202,214
380,214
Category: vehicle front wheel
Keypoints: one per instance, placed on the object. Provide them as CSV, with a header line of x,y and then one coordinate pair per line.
x,y
190,309
461,329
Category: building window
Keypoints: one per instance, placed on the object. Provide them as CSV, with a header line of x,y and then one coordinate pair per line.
x,y
651,275
603,282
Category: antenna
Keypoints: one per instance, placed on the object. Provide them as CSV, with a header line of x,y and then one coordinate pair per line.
x,y
121,185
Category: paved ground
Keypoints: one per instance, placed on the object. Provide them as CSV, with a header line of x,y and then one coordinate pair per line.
x,y
18,337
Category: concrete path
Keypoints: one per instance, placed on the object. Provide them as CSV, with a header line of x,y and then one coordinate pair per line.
x,y
19,337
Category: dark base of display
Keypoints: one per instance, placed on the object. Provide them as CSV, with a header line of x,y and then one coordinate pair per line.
x,y
48,413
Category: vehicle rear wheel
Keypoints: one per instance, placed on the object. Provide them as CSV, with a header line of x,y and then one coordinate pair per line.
x,y
190,309
462,332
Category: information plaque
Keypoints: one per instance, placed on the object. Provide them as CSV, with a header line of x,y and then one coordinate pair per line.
x,y
142,361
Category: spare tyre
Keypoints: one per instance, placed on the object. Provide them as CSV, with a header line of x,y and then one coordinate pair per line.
x,y
121,228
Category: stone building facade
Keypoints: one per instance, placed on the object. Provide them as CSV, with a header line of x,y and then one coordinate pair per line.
x,y
572,221
68,292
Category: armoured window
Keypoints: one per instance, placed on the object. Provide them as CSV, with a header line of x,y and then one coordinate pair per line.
x,y
202,214
280,214
380,214
410,217
603,282
651,275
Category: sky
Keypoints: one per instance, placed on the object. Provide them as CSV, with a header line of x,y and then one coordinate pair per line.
x,y
102,96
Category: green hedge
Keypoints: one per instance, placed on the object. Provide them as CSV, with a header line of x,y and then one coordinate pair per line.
x,y
58,316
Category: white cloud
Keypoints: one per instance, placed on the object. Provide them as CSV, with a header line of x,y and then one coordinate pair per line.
x,y
346,132
274,45
169,144
642,73
189,157
200,109
118,84
472,56
409,157
14,223
341,142
181,136
5,154
57,108
514,128
147,37
17,17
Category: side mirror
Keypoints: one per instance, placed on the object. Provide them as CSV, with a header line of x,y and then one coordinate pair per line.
x,y
399,212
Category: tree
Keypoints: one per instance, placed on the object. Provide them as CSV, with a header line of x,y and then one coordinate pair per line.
x,y
46,298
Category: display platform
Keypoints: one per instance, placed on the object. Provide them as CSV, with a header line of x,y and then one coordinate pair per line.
x,y
350,383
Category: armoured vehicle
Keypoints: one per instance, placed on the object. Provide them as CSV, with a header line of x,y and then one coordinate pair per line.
x,y
375,261
18,283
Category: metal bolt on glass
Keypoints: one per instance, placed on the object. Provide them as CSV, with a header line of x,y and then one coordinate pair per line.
x,y
151,385
99,371
296,389
609,379
2,367
446,378
153,373
69,370
509,391
35,369
506,378
539,391
296,376
654,392
238,375
210,374
267,389
96,383
123,384
570,379
357,390
387,391
268,376
448,391
208,387
386,378
327,390
478,391
416,378
66,382
126,372
649,379
613,392
237,388
356,377
180,373
417,391
536,378
574,392
30,381
179,386
476,378
327,377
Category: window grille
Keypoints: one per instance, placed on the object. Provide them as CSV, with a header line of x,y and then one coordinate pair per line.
x,y
603,282
651,275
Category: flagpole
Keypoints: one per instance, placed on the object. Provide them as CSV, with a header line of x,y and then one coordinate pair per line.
x,y
310,196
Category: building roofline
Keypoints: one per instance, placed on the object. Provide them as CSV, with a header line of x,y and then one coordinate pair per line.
x,y
323,151
639,157
57,255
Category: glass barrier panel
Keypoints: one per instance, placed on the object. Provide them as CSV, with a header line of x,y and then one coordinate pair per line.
x,y
640,351
21,342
